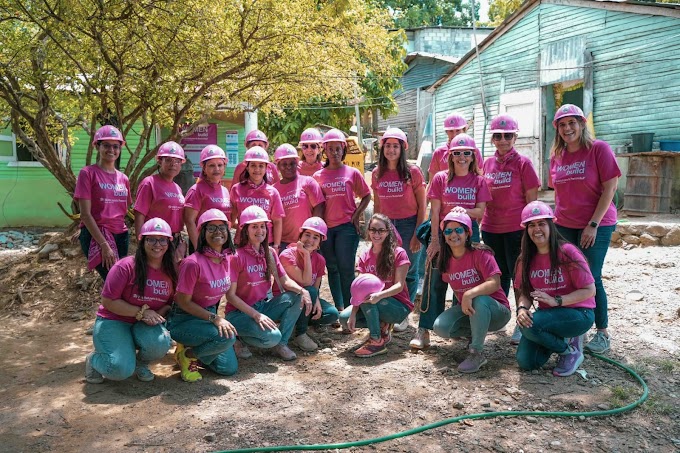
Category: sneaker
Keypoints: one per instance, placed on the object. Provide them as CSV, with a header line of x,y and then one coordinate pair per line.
x,y
599,344
241,350
421,340
188,367
179,348
306,343
92,376
569,361
283,351
386,332
371,347
474,361
421,283
516,336
336,324
343,323
402,326
143,373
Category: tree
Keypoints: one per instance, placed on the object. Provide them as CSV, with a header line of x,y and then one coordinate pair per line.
x,y
499,10
71,64
429,13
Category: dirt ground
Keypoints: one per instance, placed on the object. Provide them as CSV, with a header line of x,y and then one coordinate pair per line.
x,y
331,396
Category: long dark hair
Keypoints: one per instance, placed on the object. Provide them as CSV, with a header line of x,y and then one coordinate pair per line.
x,y
271,263
168,265
474,167
344,153
384,267
245,176
203,242
403,168
445,252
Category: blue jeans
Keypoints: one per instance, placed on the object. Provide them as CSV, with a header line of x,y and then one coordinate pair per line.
x,y
551,327
490,315
285,308
475,231
116,344
505,248
214,351
340,250
329,314
595,256
407,228
388,310
122,241
433,301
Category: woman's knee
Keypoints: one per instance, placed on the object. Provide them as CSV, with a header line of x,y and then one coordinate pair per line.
x,y
225,364
441,328
119,368
524,359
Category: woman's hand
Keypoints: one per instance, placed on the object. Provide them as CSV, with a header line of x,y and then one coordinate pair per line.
x,y
108,256
225,328
588,236
151,318
466,305
306,301
415,244
264,322
352,322
355,222
544,298
525,318
317,309
374,298
181,250
432,250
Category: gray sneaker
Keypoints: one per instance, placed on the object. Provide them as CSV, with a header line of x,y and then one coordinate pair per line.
x,y
143,373
283,351
306,343
599,344
516,336
92,376
474,361
402,326
241,350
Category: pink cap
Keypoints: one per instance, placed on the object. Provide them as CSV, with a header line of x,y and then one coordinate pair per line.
x,y
256,154
108,133
394,132
256,135
459,215
568,110
317,225
363,286
253,214
334,135
212,152
455,121
504,123
534,211
171,149
210,215
311,135
285,151
155,227
462,141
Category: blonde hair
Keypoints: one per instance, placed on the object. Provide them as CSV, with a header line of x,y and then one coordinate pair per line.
x,y
586,140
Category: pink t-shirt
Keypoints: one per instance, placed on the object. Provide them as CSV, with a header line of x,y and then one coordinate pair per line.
x,y
577,179
157,197
205,280
299,197
464,191
265,196
367,265
120,284
397,199
205,195
340,187
291,257
569,278
440,159
109,195
306,169
470,271
272,173
508,179
249,270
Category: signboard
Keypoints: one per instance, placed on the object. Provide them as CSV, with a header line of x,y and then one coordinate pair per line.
x,y
203,135
231,148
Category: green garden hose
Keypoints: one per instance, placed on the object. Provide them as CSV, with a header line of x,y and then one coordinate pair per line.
x,y
420,429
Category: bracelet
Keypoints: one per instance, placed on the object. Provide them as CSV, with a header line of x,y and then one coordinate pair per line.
x,y
519,308
140,313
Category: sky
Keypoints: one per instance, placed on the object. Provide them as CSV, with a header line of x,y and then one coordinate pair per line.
x,y
483,10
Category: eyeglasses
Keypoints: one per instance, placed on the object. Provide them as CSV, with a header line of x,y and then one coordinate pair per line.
x,y
379,231
458,230
171,160
157,241
464,153
215,228
109,146
310,145
506,135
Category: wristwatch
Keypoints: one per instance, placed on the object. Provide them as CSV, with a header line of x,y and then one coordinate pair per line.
x,y
558,299
212,317
593,224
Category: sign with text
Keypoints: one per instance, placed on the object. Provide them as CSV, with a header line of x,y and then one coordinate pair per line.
x,y
231,148
203,135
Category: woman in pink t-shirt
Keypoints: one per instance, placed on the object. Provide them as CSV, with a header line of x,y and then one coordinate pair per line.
x,y
454,124
471,270
553,273
379,310
103,195
135,300
310,144
584,174
301,196
250,309
255,138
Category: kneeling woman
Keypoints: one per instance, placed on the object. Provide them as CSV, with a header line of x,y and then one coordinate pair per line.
x,y
474,276
203,279
136,297
554,273
387,305
249,309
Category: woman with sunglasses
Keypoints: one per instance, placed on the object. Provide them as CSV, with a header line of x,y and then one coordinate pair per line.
x,y
301,195
553,273
454,124
159,196
381,309
460,186
310,143
255,138
513,182
340,184
129,332
585,175
204,277
473,274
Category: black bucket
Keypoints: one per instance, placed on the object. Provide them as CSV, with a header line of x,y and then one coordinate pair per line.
x,y
642,142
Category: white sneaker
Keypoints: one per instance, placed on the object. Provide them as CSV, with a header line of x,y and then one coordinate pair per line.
x,y
402,326
421,283
421,340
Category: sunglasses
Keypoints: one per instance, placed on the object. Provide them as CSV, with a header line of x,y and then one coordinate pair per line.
x,y
380,231
458,230
215,228
310,145
506,135
157,241
464,153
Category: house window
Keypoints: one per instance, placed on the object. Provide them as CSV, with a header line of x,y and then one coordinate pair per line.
x,y
16,154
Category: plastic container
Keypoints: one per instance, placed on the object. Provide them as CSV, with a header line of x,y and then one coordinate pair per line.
x,y
642,142
669,145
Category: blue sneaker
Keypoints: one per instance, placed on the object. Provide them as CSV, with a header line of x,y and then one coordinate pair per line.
x,y
599,344
570,359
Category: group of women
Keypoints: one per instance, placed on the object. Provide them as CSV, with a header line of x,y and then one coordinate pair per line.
x,y
300,218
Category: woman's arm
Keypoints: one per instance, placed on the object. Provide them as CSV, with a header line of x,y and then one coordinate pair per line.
x,y
190,215
488,287
399,285
433,248
304,275
608,192
478,211
531,195
421,200
573,297
139,221
224,327
360,211
276,232
290,285
319,210
262,320
376,203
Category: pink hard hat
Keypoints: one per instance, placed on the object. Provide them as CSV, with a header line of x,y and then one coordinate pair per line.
x,y
256,154
455,121
394,132
155,227
108,133
568,110
363,286
504,123
256,135
171,149
534,211
462,141
317,225
285,151
212,152
334,135
253,214
210,215
457,215
311,135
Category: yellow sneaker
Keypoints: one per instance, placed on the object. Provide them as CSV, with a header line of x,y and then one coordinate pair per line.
x,y
188,367
179,348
